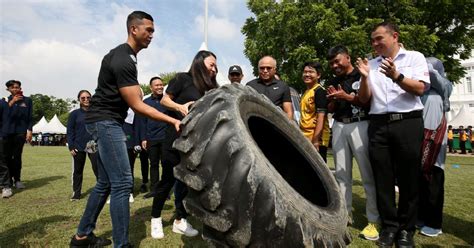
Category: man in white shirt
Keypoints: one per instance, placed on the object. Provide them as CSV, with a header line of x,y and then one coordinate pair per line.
x,y
393,83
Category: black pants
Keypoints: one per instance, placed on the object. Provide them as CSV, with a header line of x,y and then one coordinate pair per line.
x,y
79,162
131,160
395,155
323,151
155,154
4,173
430,210
462,146
162,189
13,150
450,145
144,165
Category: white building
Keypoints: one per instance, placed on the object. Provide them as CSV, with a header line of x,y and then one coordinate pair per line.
x,y
463,94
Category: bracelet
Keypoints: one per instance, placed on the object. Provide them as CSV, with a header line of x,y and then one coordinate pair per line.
x,y
400,78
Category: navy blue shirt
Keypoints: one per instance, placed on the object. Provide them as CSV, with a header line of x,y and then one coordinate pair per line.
x,y
19,118
132,132
154,130
3,115
77,136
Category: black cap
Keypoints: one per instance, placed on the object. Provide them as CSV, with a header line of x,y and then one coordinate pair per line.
x,y
235,69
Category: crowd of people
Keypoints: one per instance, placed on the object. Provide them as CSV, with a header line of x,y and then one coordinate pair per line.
x,y
389,114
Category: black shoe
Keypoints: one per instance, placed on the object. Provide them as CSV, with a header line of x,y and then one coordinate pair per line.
x,y
149,195
143,188
90,241
405,239
386,239
75,197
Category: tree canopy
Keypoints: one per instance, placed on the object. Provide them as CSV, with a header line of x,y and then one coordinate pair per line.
x,y
294,32
48,106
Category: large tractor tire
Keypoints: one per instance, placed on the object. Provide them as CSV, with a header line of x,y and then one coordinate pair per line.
x,y
253,178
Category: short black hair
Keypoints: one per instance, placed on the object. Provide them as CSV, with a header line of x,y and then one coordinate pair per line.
x,y
390,26
12,82
336,50
153,79
314,64
136,17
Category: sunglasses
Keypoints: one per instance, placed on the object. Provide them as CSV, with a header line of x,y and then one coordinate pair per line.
x,y
85,98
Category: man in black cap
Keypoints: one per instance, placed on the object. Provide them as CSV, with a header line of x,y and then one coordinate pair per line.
x,y
235,74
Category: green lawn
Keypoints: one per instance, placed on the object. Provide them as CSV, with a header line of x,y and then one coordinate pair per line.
x,y
42,215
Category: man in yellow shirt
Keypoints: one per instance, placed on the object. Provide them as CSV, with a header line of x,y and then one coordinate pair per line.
x,y
314,122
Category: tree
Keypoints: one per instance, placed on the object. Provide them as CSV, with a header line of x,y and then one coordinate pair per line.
x,y
165,77
48,106
294,32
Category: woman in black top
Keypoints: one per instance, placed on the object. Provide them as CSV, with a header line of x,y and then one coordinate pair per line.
x,y
182,91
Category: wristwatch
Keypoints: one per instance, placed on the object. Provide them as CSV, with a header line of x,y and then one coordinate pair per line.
x,y
400,78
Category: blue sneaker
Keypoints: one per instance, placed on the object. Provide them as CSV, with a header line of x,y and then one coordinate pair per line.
x,y
430,232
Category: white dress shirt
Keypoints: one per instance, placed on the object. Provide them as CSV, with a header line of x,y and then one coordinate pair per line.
x,y
388,96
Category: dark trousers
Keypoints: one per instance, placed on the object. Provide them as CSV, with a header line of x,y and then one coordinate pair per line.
x,y
395,156
430,210
462,145
4,173
13,150
162,189
144,165
131,160
450,145
323,151
79,162
155,154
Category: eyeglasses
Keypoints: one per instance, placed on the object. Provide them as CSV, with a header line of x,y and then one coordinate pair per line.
x,y
263,68
85,98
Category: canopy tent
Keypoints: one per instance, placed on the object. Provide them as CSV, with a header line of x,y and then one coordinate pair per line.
x,y
54,126
463,118
38,127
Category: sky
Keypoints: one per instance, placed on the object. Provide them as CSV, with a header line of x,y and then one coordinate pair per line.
x,y
55,47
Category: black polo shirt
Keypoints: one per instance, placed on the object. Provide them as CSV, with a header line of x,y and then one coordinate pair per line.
x,y
350,84
118,69
277,91
183,90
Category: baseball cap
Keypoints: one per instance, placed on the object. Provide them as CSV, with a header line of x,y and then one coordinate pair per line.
x,y
235,69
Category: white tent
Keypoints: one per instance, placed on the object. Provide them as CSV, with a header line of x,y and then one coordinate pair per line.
x,y
463,118
54,126
38,127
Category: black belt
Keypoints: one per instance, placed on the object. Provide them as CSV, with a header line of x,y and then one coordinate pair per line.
x,y
392,117
348,120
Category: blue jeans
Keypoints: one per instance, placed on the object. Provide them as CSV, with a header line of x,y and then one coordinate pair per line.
x,y
115,178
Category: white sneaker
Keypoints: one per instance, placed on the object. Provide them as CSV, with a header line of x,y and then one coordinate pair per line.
x,y
184,228
157,228
6,192
19,185
131,199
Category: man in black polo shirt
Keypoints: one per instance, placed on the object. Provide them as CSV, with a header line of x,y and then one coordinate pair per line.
x,y
277,91
349,134
117,89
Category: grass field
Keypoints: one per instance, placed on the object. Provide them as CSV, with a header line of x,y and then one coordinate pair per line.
x,y
42,215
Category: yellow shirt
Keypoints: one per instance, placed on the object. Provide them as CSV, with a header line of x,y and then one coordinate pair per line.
x,y
450,134
309,116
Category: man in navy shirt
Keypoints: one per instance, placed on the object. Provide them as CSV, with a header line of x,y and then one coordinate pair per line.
x,y
17,128
154,133
4,174
117,90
